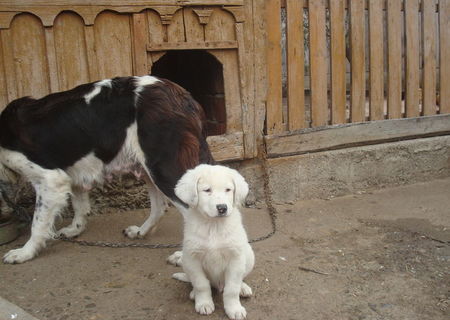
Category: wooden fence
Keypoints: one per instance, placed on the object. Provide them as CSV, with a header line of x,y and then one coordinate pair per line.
x,y
368,60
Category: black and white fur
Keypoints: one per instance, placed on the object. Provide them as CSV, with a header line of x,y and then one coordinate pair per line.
x,y
67,142
216,251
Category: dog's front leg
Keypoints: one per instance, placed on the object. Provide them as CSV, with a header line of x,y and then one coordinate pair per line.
x,y
234,276
201,291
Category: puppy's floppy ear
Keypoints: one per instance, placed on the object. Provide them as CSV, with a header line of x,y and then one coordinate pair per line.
x,y
240,187
186,188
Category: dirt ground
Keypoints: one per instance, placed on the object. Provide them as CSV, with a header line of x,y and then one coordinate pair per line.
x,y
378,255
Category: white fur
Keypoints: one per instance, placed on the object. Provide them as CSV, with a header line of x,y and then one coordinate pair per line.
x,y
53,187
216,251
97,89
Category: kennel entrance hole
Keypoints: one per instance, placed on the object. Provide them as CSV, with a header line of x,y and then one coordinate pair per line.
x,y
201,74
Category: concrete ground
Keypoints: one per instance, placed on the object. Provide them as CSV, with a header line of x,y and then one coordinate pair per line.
x,y
378,255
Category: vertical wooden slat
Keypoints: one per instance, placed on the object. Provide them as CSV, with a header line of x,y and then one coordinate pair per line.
x,y
412,57
376,46
358,74
444,61
140,32
295,64
91,57
394,59
338,61
318,63
429,57
51,59
8,62
274,85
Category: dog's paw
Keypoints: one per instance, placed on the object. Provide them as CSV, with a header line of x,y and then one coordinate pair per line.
x,y
19,255
246,291
192,295
71,231
133,232
236,312
204,307
176,258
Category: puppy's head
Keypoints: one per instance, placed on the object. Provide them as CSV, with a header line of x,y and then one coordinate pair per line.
x,y
214,191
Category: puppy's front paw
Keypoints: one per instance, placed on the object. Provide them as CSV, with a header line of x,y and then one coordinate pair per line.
x,y
236,312
19,255
204,307
175,258
133,232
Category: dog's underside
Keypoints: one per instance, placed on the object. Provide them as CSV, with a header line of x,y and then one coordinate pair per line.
x,y
69,141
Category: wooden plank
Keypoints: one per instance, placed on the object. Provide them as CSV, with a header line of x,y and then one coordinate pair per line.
x,y
113,44
30,60
51,59
195,31
91,58
429,57
139,39
71,50
175,30
274,122
376,46
295,65
338,61
192,45
8,62
444,61
227,147
358,71
27,3
412,57
394,59
350,135
221,26
3,80
318,63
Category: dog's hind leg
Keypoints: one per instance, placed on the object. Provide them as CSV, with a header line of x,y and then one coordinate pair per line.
x,y
52,189
158,208
81,207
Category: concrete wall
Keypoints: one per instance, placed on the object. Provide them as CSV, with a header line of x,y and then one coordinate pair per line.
x,y
346,171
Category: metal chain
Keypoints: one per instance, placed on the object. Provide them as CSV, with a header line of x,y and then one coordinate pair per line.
x,y
104,244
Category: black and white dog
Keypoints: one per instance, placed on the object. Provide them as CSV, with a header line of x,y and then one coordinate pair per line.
x,y
69,141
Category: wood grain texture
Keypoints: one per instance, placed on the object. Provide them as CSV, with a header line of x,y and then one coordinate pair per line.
x,y
412,57
338,61
274,118
296,63
394,15
429,57
318,63
71,51
358,71
363,133
444,61
376,47
139,40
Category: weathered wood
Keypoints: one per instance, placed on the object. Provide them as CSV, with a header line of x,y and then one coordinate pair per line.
x,y
192,45
338,61
318,63
26,3
71,51
175,30
274,87
227,147
195,31
89,35
350,135
296,63
358,71
8,63
394,59
444,61
412,57
139,40
376,46
51,59
3,85
429,57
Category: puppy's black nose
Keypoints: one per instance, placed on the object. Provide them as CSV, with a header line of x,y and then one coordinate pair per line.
x,y
222,209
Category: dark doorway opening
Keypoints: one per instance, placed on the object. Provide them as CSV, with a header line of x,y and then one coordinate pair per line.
x,y
202,75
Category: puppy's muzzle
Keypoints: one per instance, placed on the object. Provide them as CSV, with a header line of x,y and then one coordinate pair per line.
x,y
222,210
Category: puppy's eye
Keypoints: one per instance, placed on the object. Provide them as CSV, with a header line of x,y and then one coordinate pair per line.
x,y
227,190
207,190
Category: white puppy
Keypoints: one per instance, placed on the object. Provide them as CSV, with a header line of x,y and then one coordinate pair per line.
x,y
216,251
